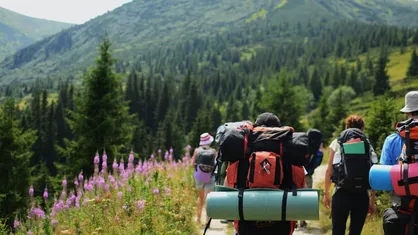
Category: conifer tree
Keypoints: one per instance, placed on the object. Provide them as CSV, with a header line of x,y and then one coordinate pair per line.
x,y
380,121
281,98
101,120
315,84
381,77
15,157
413,65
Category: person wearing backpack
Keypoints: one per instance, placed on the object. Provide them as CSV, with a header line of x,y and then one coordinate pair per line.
x,y
351,157
400,218
204,160
293,175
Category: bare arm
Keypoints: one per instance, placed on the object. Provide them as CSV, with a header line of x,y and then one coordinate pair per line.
x,y
328,173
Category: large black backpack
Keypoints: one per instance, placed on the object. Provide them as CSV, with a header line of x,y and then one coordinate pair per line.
x,y
205,159
352,172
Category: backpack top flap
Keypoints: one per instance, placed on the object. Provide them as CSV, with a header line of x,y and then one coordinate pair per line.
x,y
297,149
269,138
351,134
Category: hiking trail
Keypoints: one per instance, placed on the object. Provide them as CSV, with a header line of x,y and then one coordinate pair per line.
x,y
218,228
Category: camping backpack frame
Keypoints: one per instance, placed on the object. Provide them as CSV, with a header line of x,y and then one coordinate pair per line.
x,y
352,172
409,156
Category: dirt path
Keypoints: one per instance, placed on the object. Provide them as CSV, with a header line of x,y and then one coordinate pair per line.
x,y
216,227
313,226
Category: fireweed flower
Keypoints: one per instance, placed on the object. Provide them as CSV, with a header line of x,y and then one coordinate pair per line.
x,y
45,195
104,157
96,158
80,176
54,222
31,191
76,182
64,182
167,191
16,224
114,165
131,157
120,195
141,204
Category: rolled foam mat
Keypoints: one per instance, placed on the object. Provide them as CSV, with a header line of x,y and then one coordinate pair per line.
x,y
263,204
379,177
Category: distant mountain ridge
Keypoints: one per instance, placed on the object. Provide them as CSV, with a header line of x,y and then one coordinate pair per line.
x,y
141,25
18,31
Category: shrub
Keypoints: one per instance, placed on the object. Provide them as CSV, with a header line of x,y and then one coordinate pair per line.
x,y
150,197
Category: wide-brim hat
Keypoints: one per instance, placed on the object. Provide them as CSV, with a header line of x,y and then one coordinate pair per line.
x,y
411,102
206,139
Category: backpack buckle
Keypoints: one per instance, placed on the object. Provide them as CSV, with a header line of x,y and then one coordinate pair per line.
x,y
265,164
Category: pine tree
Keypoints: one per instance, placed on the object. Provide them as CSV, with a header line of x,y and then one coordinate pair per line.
x,y
351,81
14,163
338,112
101,120
281,98
380,121
381,77
413,65
315,85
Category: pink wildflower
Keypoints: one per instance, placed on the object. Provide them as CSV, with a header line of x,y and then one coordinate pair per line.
x,y
141,204
156,191
131,157
16,224
96,158
80,176
31,191
120,195
104,157
54,222
64,182
45,195
167,191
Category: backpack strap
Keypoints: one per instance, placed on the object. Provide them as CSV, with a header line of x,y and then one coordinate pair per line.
x,y
207,226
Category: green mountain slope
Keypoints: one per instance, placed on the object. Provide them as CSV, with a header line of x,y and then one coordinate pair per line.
x,y
142,26
18,31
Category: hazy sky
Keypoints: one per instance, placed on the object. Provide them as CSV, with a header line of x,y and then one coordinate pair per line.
x,y
71,11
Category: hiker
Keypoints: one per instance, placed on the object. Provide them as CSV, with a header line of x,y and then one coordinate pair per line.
x,y
400,218
297,179
204,162
392,147
315,160
349,171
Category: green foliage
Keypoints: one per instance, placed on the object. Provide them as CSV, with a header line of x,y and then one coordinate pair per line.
x,y
14,163
101,119
381,77
346,93
413,65
18,31
338,111
380,121
281,98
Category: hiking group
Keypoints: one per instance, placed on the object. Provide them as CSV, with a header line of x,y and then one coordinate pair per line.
x,y
254,161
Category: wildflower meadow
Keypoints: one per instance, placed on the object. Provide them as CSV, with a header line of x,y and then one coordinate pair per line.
x,y
156,196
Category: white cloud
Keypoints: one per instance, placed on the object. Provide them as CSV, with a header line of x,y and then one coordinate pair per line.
x,y
71,11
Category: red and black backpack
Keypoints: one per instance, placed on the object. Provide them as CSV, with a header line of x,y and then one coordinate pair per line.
x,y
262,157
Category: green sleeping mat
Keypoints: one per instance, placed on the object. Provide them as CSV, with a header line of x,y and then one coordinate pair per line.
x,y
263,204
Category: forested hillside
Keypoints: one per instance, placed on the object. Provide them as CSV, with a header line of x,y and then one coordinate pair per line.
x,y
162,93
142,27
18,31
